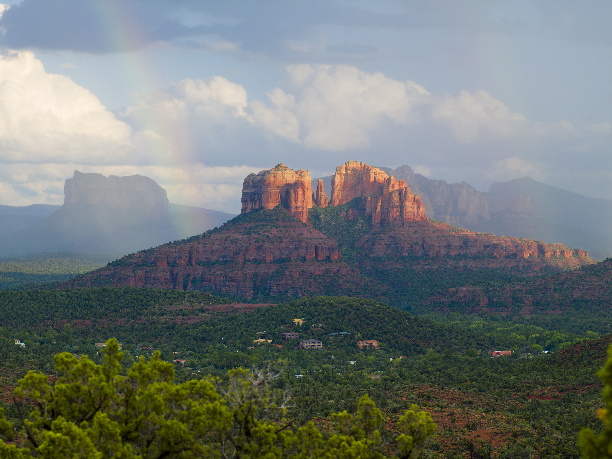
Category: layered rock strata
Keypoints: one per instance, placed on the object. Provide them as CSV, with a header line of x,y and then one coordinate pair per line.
x,y
427,242
250,259
383,231
278,186
382,198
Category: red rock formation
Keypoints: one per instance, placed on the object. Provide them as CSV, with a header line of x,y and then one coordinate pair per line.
x,y
269,254
383,198
278,186
448,246
320,198
276,258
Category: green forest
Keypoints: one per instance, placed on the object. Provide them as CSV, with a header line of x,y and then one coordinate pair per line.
x,y
531,403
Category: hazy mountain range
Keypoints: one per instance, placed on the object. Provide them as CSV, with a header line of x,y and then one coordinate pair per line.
x,y
113,216
107,216
520,208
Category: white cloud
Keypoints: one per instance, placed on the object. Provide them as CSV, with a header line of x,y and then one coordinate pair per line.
x,y
216,99
3,9
337,108
197,137
476,117
45,116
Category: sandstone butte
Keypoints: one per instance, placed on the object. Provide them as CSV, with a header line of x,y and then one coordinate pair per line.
x,y
280,253
383,199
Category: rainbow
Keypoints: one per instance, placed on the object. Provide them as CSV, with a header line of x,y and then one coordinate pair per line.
x,y
124,34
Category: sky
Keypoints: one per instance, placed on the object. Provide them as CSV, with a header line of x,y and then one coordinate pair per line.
x,y
197,94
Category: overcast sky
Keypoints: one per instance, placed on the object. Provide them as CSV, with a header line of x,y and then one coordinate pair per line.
x,y
196,94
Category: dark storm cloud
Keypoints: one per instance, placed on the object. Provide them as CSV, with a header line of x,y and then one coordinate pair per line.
x,y
258,27
89,25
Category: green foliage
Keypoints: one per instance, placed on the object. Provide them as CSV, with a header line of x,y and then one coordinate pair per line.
x,y
418,427
599,446
540,399
332,221
96,411
92,410
25,308
43,269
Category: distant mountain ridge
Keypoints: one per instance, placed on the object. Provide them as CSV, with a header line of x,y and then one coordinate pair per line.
x,y
108,216
519,208
14,218
522,208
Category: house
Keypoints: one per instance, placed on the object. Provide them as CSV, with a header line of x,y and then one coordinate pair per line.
x,y
19,343
261,341
179,362
289,335
499,353
298,322
311,344
317,327
368,344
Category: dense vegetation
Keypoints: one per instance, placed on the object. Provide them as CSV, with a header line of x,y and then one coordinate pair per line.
x,y
102,411
518,405
44,268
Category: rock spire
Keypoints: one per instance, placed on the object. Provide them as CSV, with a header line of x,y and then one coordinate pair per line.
x,y
382,197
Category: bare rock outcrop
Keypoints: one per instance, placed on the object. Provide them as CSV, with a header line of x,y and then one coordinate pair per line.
x,y
278,186
383,198
320,199
425,243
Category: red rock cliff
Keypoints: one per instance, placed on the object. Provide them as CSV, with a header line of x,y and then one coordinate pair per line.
x,y
383,198
278,186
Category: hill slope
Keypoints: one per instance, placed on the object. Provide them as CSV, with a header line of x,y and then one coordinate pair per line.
x,y
588,288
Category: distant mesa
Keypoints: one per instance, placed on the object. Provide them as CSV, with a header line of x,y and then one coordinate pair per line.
x,y
130,192
106,217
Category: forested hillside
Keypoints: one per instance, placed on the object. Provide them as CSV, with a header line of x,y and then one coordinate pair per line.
x,y
45,268
529,401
